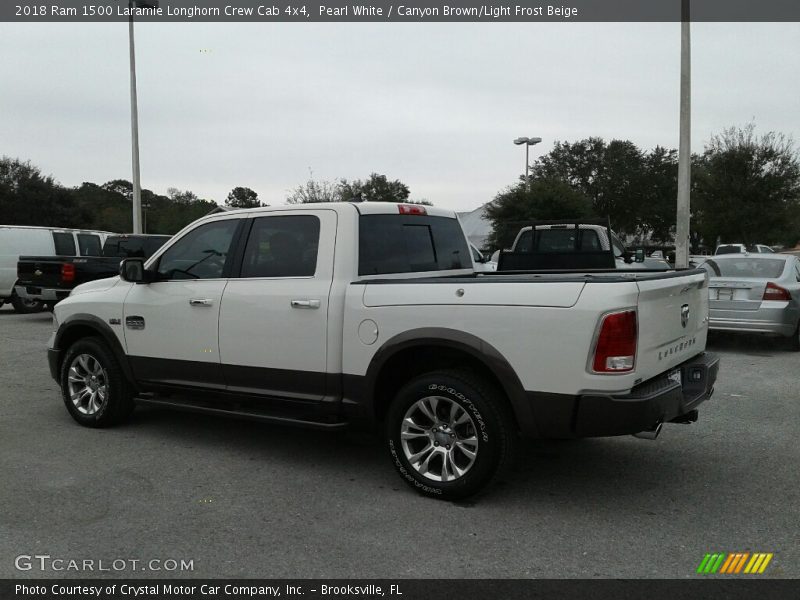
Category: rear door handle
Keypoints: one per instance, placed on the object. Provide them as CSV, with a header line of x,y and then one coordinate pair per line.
x,y
201,302
305,303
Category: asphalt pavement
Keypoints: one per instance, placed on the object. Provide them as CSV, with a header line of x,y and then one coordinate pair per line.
x,y
242,499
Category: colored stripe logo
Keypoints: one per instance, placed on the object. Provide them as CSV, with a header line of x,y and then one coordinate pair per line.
x,y
734,563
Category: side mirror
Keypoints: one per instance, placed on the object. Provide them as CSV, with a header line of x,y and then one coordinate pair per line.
x,y
132,270
639,255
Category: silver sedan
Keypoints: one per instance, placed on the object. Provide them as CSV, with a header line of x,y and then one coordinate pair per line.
x,y
757,293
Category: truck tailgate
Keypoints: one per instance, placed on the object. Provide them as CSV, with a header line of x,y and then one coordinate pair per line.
x,y
673,321
39,271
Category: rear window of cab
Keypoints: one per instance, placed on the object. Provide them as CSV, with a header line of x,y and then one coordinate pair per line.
x,y
410,244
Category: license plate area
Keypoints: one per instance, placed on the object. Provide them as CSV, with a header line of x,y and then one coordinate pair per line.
x,y
725,294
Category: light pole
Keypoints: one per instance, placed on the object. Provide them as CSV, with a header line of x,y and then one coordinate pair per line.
x,y
528,143
684,146
137,187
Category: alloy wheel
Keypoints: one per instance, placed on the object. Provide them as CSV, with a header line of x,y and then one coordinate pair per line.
x,y
439,439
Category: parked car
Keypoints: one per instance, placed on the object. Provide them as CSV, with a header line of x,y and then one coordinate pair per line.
x,y
18,240
252,313
755,293
48,279
480,262
741,248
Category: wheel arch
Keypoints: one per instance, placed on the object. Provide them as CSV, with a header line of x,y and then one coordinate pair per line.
x,y
418,351
80,326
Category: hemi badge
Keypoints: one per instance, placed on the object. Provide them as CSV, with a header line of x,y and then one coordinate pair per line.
x,y
115,321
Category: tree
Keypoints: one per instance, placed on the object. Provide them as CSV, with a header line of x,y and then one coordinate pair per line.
x,y
242,197
29,198
547,199
314,191
657,211
377,188
610,175
181,197
747,188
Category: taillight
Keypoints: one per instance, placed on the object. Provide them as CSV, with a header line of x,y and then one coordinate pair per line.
x,y
411,209
776,292
67,273
615,351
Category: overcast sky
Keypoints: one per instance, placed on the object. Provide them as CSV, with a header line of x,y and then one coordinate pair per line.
x,y
435,105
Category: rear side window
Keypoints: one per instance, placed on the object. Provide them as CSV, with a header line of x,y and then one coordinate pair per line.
x,y
89,244
64,243
764,268
410,244
282,246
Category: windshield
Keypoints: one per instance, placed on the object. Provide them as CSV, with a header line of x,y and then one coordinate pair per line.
x,y
764,268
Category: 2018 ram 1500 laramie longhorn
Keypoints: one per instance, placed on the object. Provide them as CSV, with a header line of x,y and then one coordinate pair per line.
x,y
329,315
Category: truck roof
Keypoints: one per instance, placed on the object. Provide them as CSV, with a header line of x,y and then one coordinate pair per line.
x,y
364,208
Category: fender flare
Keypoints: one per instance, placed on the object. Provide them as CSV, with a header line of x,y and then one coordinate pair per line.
x,y
470,344
103,330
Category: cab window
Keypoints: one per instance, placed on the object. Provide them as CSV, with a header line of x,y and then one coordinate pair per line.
x,y
203,253
282,246
89,244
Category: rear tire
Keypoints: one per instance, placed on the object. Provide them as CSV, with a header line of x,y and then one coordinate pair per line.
x,y
93,386
449,434
25,307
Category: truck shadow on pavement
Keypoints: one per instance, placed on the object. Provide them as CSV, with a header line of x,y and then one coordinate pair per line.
x,y
544,469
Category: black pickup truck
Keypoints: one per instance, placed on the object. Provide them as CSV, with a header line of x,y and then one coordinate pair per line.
x,y
51,278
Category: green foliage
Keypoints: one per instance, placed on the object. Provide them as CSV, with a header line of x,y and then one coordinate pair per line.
x,y
242,197
635,189
747,189
547,199
376,188
29,198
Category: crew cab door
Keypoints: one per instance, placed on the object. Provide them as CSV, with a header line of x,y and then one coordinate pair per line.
x,y
171,324
273,322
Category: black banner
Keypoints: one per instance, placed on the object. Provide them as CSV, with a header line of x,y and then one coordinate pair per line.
x,y
400,589
394,11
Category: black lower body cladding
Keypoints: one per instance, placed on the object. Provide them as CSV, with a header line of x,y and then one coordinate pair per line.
x,y
658,400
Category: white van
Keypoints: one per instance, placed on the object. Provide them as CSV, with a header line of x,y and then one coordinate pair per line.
x,y
21,240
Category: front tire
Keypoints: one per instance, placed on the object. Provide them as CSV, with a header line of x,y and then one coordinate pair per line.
x,y
24,306
93,386
450,434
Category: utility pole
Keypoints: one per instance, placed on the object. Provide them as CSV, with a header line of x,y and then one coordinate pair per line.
x,y
137,186
684,147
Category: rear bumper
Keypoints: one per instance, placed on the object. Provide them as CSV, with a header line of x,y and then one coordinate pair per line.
x,y
29,292
658,400
776,320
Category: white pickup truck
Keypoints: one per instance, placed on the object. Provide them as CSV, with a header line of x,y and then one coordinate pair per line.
x,y
336,315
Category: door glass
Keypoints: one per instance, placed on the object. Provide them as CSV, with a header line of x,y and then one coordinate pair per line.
x,y
282,247
200,254
89,244
64,244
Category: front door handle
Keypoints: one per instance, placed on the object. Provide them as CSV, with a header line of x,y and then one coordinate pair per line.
x,y
201,302
305,303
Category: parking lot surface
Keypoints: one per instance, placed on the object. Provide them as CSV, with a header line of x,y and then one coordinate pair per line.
x,y
243,499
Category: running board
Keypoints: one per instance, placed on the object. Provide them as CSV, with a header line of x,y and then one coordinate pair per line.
x,y
239,414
